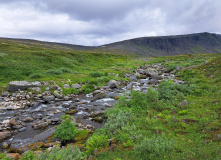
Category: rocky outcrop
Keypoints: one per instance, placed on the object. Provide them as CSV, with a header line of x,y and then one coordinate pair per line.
x,y
21,85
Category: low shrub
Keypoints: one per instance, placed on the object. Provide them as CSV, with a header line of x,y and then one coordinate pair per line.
x,y
68,153
54,72
3,156
154,148
96,142
67,129
96,74
36,75
117,118
28,156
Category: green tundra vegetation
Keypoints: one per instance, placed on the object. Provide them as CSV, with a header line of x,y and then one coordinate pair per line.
x,y
169,123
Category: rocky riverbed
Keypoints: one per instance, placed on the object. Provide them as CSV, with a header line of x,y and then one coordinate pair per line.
x,y
30,117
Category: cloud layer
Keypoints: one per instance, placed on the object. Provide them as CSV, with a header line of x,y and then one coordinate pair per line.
x,y
97,22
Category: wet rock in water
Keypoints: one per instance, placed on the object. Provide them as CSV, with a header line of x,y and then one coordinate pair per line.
x,y
133,78
76,86
13,122
58,94
157,77
96,113
112,84
54,121
48,98
90,127
71,112
137,74
150,72
28,119
97,92
107,105
5,145
21,85
40,125
22,129
98,119
15,156
66,98
4,135
66,86
153,81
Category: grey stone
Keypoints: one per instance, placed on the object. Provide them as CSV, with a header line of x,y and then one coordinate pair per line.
x,y
48,98
28,119
4,135
76,86
137,74
150,72
57,94
40,125
133,78
179,68
22,129
66,86
112,84
22,85
37,89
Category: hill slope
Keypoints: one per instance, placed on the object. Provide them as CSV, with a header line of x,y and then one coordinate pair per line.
x,y
169,45
145,46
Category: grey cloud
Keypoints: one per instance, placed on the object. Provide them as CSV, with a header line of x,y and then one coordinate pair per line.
x,y
96,22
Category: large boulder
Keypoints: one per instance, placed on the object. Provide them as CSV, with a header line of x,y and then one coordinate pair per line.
x,y
151,72
22,85
112,84
76,86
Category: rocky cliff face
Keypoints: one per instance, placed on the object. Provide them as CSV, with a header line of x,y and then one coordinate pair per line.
x,y
169,45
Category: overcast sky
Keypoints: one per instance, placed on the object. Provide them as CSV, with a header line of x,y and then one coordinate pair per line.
x,y
97,22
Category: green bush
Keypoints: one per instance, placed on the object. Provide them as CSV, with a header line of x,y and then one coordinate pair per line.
x,y
54,72
36,75
3,156
65,70
117,118
68,153
66,130
154,148
171,68
96,142
172,92
28,156
96,74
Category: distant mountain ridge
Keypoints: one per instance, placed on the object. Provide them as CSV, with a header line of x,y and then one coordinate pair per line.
x,y
145,46
170,45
